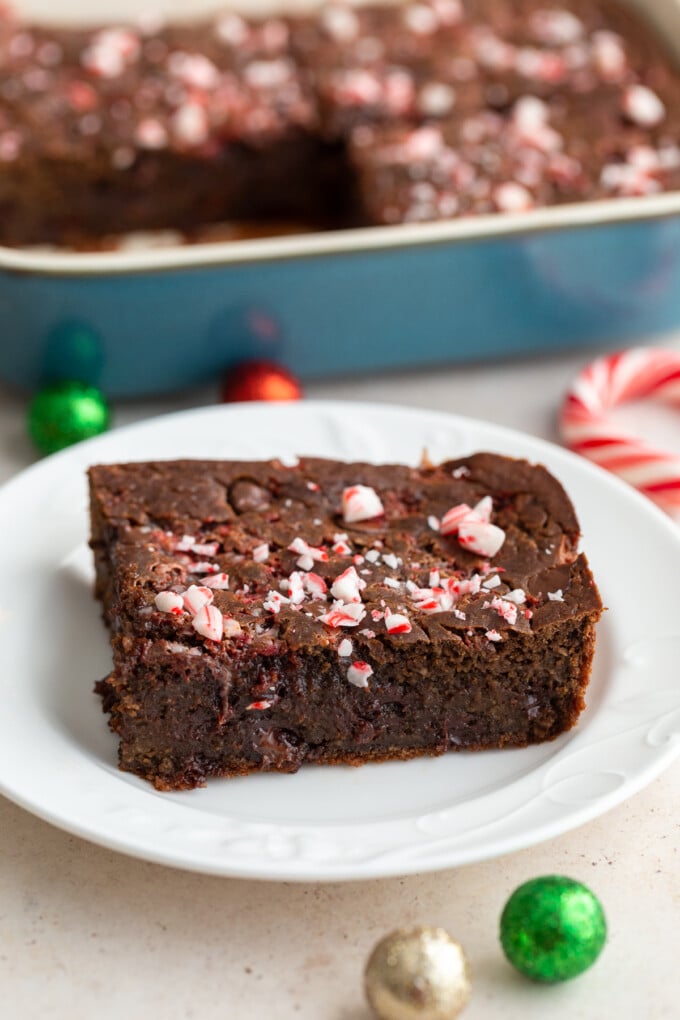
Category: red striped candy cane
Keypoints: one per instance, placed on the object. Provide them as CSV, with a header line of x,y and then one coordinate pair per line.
x,y
636,374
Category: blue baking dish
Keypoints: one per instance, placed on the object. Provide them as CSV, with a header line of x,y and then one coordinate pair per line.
x,y
354,301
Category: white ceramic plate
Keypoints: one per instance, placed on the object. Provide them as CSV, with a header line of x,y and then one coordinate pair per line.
x,y
58,759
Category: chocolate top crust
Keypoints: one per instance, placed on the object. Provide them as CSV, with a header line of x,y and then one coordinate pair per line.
x,y
273,547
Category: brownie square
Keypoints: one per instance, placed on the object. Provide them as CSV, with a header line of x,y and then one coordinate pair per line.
x,y
263,615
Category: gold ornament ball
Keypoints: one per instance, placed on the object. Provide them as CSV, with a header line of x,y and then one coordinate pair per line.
x,y
417,974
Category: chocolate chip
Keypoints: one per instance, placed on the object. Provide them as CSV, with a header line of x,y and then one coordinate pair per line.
x,y
245,495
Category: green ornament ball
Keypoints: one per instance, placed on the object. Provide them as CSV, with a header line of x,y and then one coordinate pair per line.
x,y
66,412
552,928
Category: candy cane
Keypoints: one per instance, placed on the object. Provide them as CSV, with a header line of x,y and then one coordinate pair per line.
x,y
635,374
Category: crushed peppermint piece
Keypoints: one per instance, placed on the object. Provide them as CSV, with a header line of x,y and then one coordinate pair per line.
x,y
340,546
556,596
517,595
189,544
259,706
181,649
367,632
358,673
111,52
391,560
506,610
482,510
219,581
392,582
512,197
274,600
452,518
459,614
190,124
296,588
232,628
361,503
397,623
491,582
313,486
358,559
433,522
209,623
481,537
462,471
261,553
345,648
347,587
195,598
340,22
434,579
203,567
376,615
493,635
169,602
642,106
315,585
372,556
344,615
309,555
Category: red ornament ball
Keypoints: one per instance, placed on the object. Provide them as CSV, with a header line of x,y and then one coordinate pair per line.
x,y
260,380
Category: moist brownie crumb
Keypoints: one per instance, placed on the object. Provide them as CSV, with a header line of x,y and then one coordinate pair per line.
x,y
263,616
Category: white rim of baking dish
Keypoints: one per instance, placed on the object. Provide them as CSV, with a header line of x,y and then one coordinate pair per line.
x,y
343,242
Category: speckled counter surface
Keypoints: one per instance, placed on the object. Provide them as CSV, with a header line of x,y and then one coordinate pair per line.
x,y
86,933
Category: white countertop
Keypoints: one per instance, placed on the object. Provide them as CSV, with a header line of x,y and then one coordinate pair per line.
x,y
87,933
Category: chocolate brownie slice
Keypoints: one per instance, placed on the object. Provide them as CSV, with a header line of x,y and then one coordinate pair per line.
x,y
263,616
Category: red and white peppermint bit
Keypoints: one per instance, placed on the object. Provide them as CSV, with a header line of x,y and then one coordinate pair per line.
x,y
482,511
361,503
347,587
392,582
232,628
189,544
315,585
218,581
433,600
506,610
493,635
342,615
512,197
434,579
259,706
556,596
193,69
449,523
345,648
341,546
309,555
642,106
481,537
586,426
609,55
209,623
358,673
296,587
340,22
203,567
169,602
491,582
273,602
517,595
391,561
358,559
111,52
372,556
196,597
397,623
433,523
261,553
150,133
376,615
190,124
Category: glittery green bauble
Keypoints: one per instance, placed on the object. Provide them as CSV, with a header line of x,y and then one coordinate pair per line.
x,y
552,928
65,413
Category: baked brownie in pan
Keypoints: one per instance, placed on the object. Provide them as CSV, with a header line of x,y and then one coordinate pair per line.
x,y
263,616
152,126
